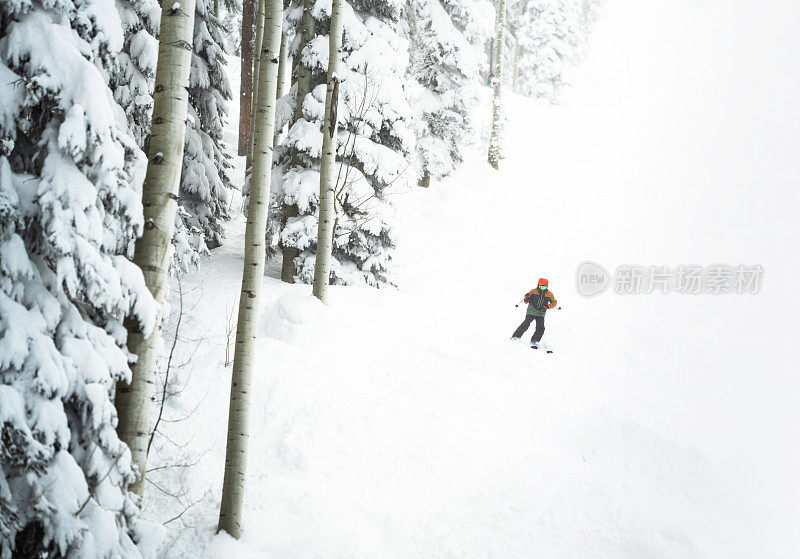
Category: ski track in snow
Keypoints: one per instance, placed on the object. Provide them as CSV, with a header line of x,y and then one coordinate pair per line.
x,y
404,423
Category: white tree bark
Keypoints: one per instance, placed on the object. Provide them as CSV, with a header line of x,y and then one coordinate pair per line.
x,y
304,78
257,45
322,266
246,80
497,78
230,512
159,198
283,71
514,70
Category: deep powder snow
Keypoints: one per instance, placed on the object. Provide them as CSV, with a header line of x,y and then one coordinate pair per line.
x,y
404,423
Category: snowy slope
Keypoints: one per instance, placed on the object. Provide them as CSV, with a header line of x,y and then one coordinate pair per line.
x,y
405,424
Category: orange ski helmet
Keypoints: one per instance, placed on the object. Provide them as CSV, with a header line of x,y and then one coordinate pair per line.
x,y
543,281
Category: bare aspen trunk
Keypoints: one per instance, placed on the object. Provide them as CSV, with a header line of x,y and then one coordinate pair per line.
x,y
514,69
284,67
490,60
216,9
246,81
322,267
233,487
303,87
257,45
283,71
497,83
159,197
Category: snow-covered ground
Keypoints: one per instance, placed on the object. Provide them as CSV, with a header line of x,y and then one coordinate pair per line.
x,y
404,423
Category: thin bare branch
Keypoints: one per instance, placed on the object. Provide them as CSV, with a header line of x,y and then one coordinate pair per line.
x,y
96,485
190,505
169,362
165,492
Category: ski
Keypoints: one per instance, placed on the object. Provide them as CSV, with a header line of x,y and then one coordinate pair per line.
x,y
547,349
542,346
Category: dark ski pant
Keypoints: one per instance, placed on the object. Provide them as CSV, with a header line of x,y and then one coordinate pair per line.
x,y
537,334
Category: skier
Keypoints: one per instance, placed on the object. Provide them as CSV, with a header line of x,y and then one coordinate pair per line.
x,y
539,300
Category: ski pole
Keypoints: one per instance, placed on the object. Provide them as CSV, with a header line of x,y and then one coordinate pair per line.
x,y
520,302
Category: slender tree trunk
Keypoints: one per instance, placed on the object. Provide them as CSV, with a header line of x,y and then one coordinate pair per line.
x,y
283,70
246,82
216,9
497,63
425,180
490,59
257,45
288,254
304,76
514,69
295,60
322,267
230,512
159,195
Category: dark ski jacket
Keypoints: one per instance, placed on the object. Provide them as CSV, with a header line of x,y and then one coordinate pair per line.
x,y
539,301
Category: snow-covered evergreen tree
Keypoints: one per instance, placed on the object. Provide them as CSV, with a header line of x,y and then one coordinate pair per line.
x,y
590,11
132,83
447,40
70,180
232,22
205,179
550,35
375,142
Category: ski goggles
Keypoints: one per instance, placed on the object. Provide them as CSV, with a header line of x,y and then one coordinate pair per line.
x,y
543,287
